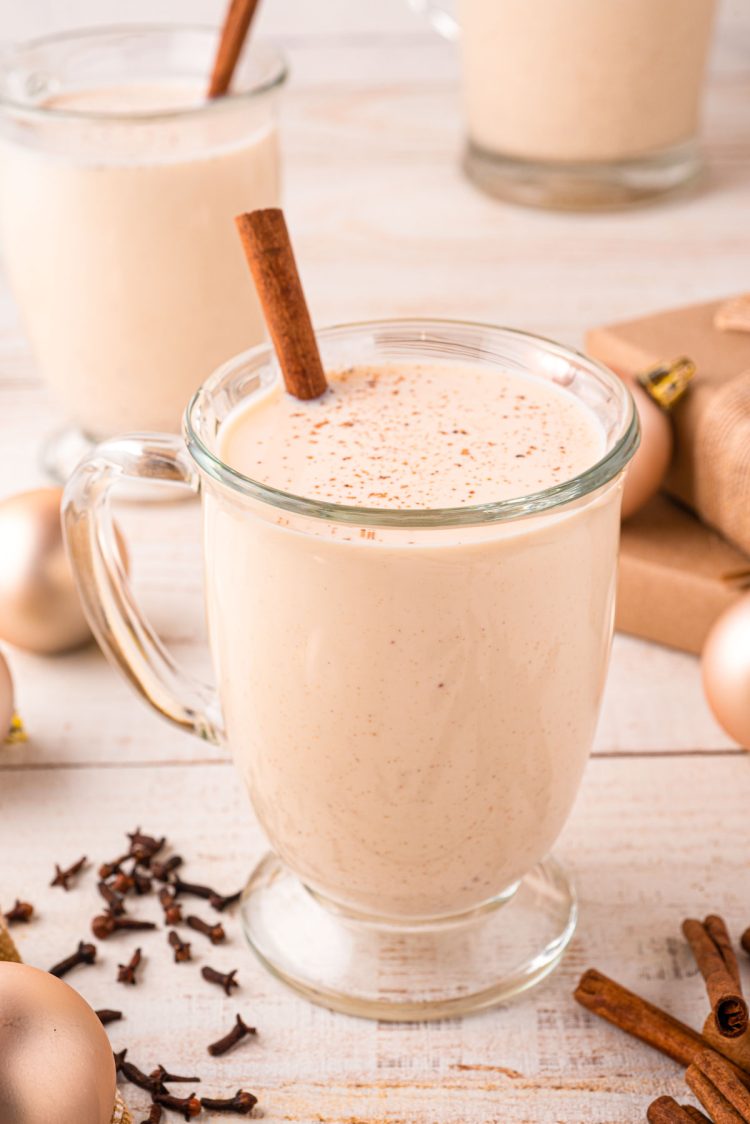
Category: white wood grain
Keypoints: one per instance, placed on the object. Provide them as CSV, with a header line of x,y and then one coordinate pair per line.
x,y
385,224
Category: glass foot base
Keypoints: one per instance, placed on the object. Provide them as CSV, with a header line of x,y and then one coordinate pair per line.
x,y
582,187
383,970
62,451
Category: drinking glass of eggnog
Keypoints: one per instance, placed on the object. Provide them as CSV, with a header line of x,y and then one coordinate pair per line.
x,y
579,103
119,181
410,586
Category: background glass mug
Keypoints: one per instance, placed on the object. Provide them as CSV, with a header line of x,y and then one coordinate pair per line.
x,y
409,878
119,184
579,103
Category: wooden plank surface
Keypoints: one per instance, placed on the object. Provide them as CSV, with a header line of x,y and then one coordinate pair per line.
x,y
385,224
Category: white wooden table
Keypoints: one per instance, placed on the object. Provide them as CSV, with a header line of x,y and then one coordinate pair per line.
x,y
384,224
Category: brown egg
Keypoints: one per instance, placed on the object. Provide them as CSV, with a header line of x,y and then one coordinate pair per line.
x,y
649,466
56,1058
6,698
725,664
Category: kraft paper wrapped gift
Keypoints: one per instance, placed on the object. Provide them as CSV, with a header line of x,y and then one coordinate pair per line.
x,y
710,471
676,576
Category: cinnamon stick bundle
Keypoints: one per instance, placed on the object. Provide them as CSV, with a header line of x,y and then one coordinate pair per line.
x,y
720,1109
628,1011
269,254
233,34
717,963
666,1110
721,1075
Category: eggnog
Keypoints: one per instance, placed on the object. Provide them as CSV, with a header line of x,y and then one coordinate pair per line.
x,y
116,222
411,709
583,80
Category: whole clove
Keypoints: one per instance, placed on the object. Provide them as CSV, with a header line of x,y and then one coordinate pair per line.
x,y
188,1106
114,901
84,954
165,1077
106,1016
126,973
106,870
105,925
64,877
242,1103
142,883
170,905
181,948
20,913
123,883
239,1031
226,980
136,1076
163,869
143,848
215,933
154,1115
221,902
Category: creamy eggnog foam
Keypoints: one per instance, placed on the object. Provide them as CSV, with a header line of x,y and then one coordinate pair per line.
x,y
121,249
411,710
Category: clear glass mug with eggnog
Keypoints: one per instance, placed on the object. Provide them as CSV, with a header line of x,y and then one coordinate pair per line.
x,y
119,182
579,103
410,587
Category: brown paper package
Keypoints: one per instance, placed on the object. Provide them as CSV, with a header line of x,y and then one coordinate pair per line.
x,y
676,576
711,467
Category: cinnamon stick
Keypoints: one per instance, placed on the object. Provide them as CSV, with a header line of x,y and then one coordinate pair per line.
x,y
233,34
666,1110
714,955
720,1073
636,1016
269,254
696,1114
719,1109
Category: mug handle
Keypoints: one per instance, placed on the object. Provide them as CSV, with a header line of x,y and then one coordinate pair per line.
x,y
123,633
440,16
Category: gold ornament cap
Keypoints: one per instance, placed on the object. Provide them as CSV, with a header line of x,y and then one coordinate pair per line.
x,y
667,383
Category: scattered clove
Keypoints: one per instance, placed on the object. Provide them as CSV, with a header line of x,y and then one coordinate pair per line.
x,y
106,870
123,883
136,1076
143,848
105,925
84,954
192,888
163,870
107,1016
170,905
215,933
162,1075
154,1115
21,912
236,1034
242,1103
126,973
181,948
188,1106
114,900
227,980
64,877
222,901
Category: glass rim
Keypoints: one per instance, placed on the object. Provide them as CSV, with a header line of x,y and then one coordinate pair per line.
x,y
616,457
210,105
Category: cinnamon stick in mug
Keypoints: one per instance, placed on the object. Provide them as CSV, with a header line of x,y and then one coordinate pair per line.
x,y
269,254
233,34
717,963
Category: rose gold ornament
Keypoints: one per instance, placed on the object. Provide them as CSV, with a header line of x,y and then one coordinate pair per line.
x,y
726,670
56,1058
654,393
6,698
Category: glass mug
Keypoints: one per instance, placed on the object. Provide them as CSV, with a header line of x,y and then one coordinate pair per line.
x,y
119,183
580,103
410,825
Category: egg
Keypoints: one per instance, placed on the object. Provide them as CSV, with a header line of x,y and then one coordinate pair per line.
x,y
725,666
648,467
6,698
57,1062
